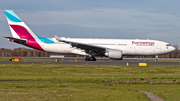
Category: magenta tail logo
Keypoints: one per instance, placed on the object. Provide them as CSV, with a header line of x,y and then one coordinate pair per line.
x,y
24,34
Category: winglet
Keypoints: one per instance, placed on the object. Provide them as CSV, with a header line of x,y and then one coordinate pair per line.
x,y
57,38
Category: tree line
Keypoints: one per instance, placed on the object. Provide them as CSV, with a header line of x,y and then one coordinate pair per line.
x,y
27,52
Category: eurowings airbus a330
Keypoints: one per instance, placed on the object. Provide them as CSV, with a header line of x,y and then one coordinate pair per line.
x,y
111,48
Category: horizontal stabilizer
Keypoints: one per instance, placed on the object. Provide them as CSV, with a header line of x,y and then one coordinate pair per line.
x,y
20,41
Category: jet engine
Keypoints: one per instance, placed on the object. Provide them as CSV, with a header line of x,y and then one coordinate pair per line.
x,y
114,54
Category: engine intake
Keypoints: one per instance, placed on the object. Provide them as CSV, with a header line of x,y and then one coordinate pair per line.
x,y
114,54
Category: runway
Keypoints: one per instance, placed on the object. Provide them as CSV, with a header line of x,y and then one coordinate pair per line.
x,y
92,63
100,61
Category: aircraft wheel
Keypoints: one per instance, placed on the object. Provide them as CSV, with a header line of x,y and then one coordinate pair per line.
x,y
87,59
94,59
155,60
90,59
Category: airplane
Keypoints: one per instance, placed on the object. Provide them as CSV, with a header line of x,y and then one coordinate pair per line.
x,y
111,48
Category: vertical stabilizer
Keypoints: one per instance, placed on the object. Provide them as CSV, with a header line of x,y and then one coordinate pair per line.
x,y
21,31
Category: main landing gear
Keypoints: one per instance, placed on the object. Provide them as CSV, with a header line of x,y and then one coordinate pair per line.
x,y
90,58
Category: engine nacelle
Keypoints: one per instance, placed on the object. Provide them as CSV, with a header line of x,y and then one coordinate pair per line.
x,y
114,54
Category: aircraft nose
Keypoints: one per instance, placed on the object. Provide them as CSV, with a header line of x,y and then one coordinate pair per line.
x,y
173,48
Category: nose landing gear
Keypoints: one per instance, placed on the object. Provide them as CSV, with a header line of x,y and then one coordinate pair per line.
x,y
156,58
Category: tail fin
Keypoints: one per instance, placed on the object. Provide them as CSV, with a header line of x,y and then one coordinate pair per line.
x,y
20,30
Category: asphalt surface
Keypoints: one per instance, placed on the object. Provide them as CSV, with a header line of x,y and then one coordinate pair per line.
x,y
100,61
92,63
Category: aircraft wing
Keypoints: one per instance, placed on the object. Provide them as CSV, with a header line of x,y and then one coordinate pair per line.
x,y
83,46
20,41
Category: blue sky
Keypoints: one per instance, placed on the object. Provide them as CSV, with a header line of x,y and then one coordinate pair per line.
x,y
116,19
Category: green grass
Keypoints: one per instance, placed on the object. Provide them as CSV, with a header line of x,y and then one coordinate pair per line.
x,y
159,60
87,82
26,59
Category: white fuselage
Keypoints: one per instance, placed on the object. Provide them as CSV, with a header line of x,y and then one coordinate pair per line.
x,y
127,46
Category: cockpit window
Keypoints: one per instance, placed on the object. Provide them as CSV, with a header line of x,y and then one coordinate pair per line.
x,y
168,45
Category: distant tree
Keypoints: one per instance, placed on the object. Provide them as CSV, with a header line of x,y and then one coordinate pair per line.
x,y
2,49
176,52
47,54
176,46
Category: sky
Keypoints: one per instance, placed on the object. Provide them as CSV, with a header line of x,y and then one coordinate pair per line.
x,y
114,19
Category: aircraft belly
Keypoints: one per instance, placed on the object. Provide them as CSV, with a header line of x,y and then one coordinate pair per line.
x,y
141,51
146,51
57,48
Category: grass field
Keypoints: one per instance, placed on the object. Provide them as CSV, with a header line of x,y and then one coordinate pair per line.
x,y
27,59
87,82
161,60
